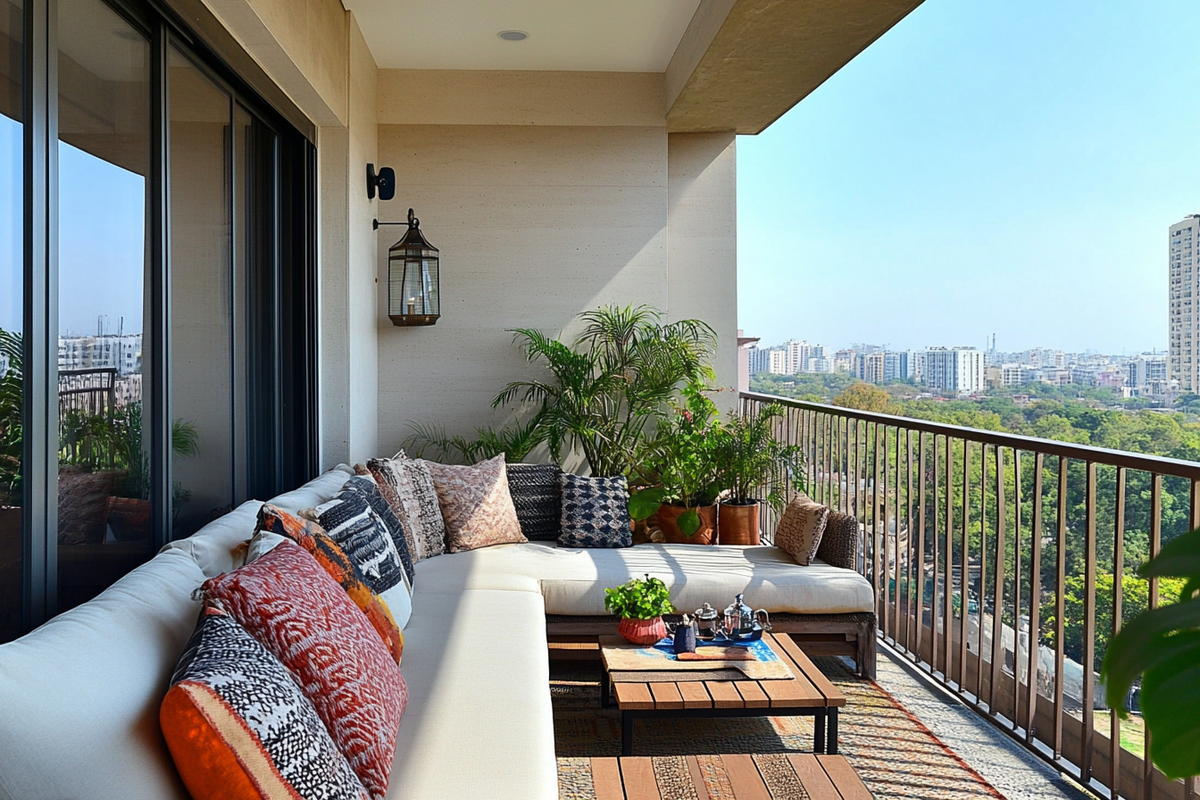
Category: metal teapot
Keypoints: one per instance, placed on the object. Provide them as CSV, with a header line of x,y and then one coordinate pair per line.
x,y
708,623
740,624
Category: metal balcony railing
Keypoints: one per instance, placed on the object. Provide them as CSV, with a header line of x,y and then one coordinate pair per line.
x,y
1002,565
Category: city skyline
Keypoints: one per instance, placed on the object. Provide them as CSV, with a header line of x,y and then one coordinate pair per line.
x,y
1007,168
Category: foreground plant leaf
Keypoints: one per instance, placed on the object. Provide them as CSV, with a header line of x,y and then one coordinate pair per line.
x,y
643,504
1163,647
689,522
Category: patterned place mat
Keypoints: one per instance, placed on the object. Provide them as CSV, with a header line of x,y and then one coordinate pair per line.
x,y
894,754
767,665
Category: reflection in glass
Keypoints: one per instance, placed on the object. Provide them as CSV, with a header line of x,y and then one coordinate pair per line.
x,y
104,513
205,289
12,291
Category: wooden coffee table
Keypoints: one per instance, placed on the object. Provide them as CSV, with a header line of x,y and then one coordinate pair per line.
x,y
810,693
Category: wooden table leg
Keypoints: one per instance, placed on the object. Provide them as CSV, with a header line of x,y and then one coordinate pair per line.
x,y
819,732
833,732
626,733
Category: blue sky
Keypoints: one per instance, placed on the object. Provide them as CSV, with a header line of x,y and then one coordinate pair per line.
x,y
1008,166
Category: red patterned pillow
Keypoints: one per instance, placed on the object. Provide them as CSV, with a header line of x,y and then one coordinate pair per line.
x,y
312,537
286,601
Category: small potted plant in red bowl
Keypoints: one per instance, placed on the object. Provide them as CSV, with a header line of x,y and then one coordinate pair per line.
x,y
640,604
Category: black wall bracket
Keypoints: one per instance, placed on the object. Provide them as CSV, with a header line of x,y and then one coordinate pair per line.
x,y
384,181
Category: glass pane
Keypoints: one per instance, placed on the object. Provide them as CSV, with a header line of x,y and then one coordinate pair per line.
x,y
104,519
202,296
12,290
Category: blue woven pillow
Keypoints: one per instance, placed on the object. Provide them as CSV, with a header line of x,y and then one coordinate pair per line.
x,y
595,512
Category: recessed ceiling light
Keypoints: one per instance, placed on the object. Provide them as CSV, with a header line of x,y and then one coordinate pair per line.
x,y
513,36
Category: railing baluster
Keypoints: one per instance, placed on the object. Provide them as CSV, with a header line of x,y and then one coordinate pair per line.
x,y
895,539
882,504
1189,784
880,600
920,570
1114,733
1156,488
1035,600
908,542
1018,575
829,460
981,592
948,579
1089,627
964,569
998,589
1059,586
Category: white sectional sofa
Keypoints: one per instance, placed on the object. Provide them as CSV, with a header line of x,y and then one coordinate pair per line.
x,y
79,696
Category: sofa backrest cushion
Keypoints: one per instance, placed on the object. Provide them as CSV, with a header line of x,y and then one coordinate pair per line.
x,y
476,506
79,696
288,603
595,512
366,487
408,487
239,728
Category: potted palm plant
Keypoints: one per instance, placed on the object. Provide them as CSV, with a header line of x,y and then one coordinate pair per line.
x,y
683,458
613,381
756,467
640,604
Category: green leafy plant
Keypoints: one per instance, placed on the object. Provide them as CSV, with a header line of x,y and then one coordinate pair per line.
x,y
515,442
12,396
1163,646
640,598
611,382
684,457
753,459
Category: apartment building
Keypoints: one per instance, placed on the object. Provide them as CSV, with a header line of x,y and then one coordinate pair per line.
x,y
1182,310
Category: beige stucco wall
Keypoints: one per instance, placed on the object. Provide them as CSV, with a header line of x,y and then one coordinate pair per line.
x,y
561,193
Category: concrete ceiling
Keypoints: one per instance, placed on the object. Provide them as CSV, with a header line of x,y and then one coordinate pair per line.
x,y
569,35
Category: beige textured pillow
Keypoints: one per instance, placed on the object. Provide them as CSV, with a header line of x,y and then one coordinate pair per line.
x,y
801,528
476,505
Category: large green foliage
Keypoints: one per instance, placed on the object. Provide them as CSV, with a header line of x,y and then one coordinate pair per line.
x,y
516,442
755,459
685,457
1163,647
605,388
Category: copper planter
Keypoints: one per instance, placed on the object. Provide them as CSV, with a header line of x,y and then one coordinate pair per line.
x,y
668,521
738,524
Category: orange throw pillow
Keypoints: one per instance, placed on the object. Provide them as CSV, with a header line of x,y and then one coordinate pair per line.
x,y
312,537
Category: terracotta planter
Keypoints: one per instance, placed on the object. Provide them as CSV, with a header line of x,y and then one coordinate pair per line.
x,y
738,524
129,518
642,631
668,521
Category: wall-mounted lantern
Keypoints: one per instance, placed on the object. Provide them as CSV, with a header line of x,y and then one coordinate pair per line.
x,y
413,290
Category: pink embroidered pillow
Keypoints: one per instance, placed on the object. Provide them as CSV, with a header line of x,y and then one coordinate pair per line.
x,y
801,528
286,601
476,505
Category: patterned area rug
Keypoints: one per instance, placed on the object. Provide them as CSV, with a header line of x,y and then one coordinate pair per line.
x,y
895,754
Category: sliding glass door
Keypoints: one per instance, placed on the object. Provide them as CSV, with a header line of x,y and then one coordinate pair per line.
x,y
148,319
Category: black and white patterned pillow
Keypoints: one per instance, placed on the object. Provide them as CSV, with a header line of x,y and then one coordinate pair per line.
x,y
537,496
232,682
354,526
595,512
366,486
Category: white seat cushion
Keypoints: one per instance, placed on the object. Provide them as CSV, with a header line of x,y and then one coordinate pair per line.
x,y
79,696
573,580
479,722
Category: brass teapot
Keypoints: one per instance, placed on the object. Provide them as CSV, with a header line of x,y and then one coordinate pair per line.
x,y
740,624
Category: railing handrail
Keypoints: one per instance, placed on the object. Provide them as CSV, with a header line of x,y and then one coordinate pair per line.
x,y
1100,455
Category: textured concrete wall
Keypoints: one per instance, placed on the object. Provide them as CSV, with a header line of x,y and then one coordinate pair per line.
x,y
567,194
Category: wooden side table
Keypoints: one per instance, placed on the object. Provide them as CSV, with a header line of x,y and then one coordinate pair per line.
x,y
810,693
